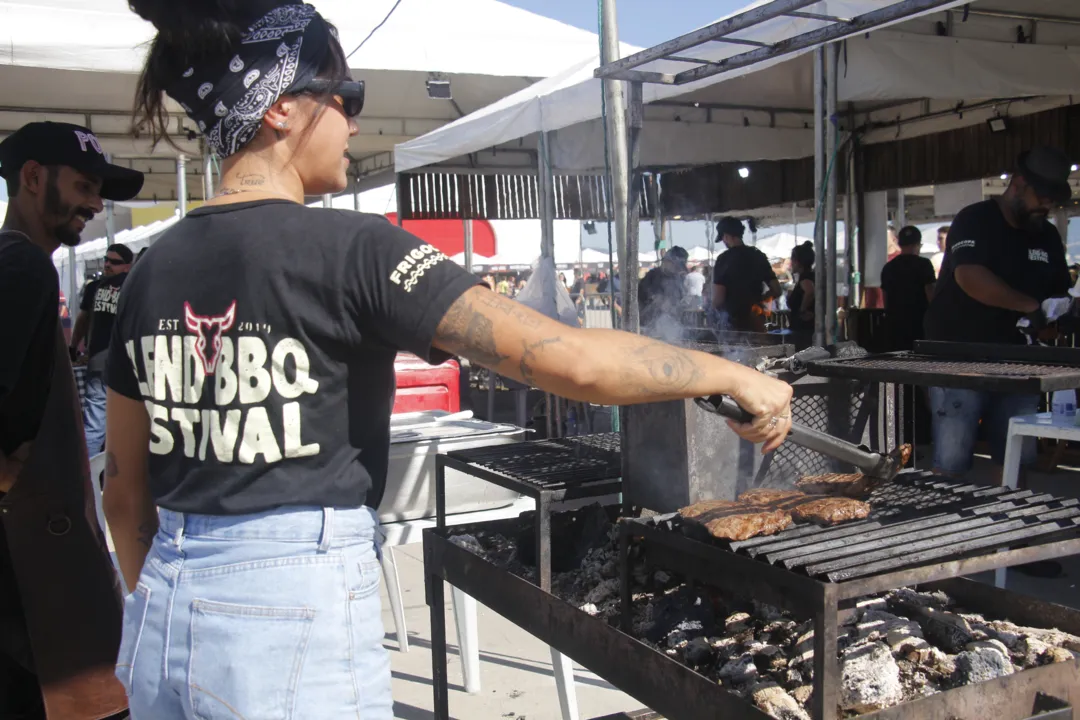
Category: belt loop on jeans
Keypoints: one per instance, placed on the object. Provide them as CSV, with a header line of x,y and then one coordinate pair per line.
x,y
327,535
178,536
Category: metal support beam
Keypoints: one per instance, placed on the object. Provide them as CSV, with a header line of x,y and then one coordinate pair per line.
x,y
208,175
635,122
1033,17
546,191
830,129
73,285
110,221
328,200
819,187
468,245
181,183
710,33
618,139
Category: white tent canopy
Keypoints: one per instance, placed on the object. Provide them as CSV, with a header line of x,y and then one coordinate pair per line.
x,y
760,112
77,61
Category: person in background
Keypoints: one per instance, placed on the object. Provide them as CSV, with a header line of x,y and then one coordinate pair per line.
x,y
255,555
1074,273
662,293
562,279
489,281
937,258
907,281
743,279
800,300
503,286
893,248
95,320
695,286
577,290
60,609
1003,259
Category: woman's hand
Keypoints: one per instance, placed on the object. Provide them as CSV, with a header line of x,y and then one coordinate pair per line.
x,y
769,401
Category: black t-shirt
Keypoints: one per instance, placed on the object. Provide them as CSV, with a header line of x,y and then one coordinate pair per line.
x,y
30,298
795,301
742,270
100,301
660,297
262,337
1031,262
904,280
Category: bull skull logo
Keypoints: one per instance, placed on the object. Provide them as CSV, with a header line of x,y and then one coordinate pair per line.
x,y
209,329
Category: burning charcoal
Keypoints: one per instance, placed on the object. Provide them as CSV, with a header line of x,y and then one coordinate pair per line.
x,y
793,678
907,646
877,625
873,603
468,542
906,599
676,607
725,648
684,631
1050,637
606,589
803,648
870,679
740,670
802,694
772,699
661,578
737,623
1061,655
768,613
995,631
698,652
948,631
982,664
590,609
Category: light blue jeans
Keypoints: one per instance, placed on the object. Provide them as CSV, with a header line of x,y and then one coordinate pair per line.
x,y
274,616
94,413
956,415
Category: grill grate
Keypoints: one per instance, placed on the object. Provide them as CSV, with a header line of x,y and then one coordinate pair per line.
x,y
917,519
924,363
551,464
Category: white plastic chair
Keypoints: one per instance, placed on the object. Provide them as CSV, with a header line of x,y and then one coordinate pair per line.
x,y
97,468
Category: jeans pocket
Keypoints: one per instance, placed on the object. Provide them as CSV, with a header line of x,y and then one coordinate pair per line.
x,y
246,660
135,607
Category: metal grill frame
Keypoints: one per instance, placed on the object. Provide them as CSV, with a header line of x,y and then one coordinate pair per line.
x,y
605,482
958,366
826,602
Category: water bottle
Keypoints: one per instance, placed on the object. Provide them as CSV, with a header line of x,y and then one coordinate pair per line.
x,y
1063,403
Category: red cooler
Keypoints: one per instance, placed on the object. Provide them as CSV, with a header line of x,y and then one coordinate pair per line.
x,y
426,387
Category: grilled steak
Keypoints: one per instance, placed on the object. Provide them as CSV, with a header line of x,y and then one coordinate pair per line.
x,y
830,510
845,484
737,520
769,496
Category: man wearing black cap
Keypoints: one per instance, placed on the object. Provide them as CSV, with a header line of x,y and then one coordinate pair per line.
x,y
95,321
60,611
1003,259
907,282
662,295
743,279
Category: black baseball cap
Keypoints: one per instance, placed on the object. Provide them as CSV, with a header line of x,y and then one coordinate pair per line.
x,y
677,254
123,251
909,235
730,226
1047,170
52,143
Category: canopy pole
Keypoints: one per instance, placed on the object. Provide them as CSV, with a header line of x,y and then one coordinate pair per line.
x,y
830,127
629,283
328,200
73,286
618,142
468,244
546,190
110,221
208,175
819,185
181,184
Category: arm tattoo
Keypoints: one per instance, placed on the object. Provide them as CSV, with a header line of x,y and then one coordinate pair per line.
x,y
670,368
468,332
528,356
511,308
146,533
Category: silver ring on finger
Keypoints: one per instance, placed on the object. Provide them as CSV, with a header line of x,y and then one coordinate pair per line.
x,y
774,421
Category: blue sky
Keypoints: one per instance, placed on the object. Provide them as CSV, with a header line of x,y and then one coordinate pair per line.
x,y
641,22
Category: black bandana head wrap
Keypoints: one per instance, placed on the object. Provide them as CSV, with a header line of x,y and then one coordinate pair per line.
x,y
282,50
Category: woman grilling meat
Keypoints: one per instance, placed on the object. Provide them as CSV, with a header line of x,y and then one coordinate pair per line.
x,y
251,381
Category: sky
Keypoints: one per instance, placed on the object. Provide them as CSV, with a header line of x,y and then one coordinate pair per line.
x,y
641,22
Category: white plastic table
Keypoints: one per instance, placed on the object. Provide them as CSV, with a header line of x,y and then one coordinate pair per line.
x,y
1039,425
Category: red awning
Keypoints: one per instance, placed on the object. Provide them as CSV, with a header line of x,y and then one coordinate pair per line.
x,y
449,235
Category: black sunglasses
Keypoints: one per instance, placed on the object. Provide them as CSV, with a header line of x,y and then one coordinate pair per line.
x,y
114,261
351,93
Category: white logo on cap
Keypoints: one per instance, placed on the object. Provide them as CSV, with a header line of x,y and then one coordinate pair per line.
x,y
236,64
202,126
220,110
204,90
250,78
85,138
189,72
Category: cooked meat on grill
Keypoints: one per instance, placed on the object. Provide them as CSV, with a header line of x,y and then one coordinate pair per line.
x,y
830,510
769,496
845,484
904,452
729,520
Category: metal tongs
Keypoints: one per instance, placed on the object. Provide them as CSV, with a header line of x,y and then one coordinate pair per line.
x,y
876,466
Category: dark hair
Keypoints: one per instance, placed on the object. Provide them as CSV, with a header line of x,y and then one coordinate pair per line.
x,y
909,235
804,255
192,32
12,179
730,226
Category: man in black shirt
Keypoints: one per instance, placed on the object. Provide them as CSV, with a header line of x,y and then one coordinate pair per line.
x,y
743,279
97,312
661,296
60,611
1003,259
908,284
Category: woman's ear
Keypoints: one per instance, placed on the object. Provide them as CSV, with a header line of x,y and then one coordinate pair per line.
x,y
277,117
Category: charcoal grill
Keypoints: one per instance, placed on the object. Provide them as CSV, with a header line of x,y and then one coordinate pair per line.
x,y
923,529
973,366
677,692
548,471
